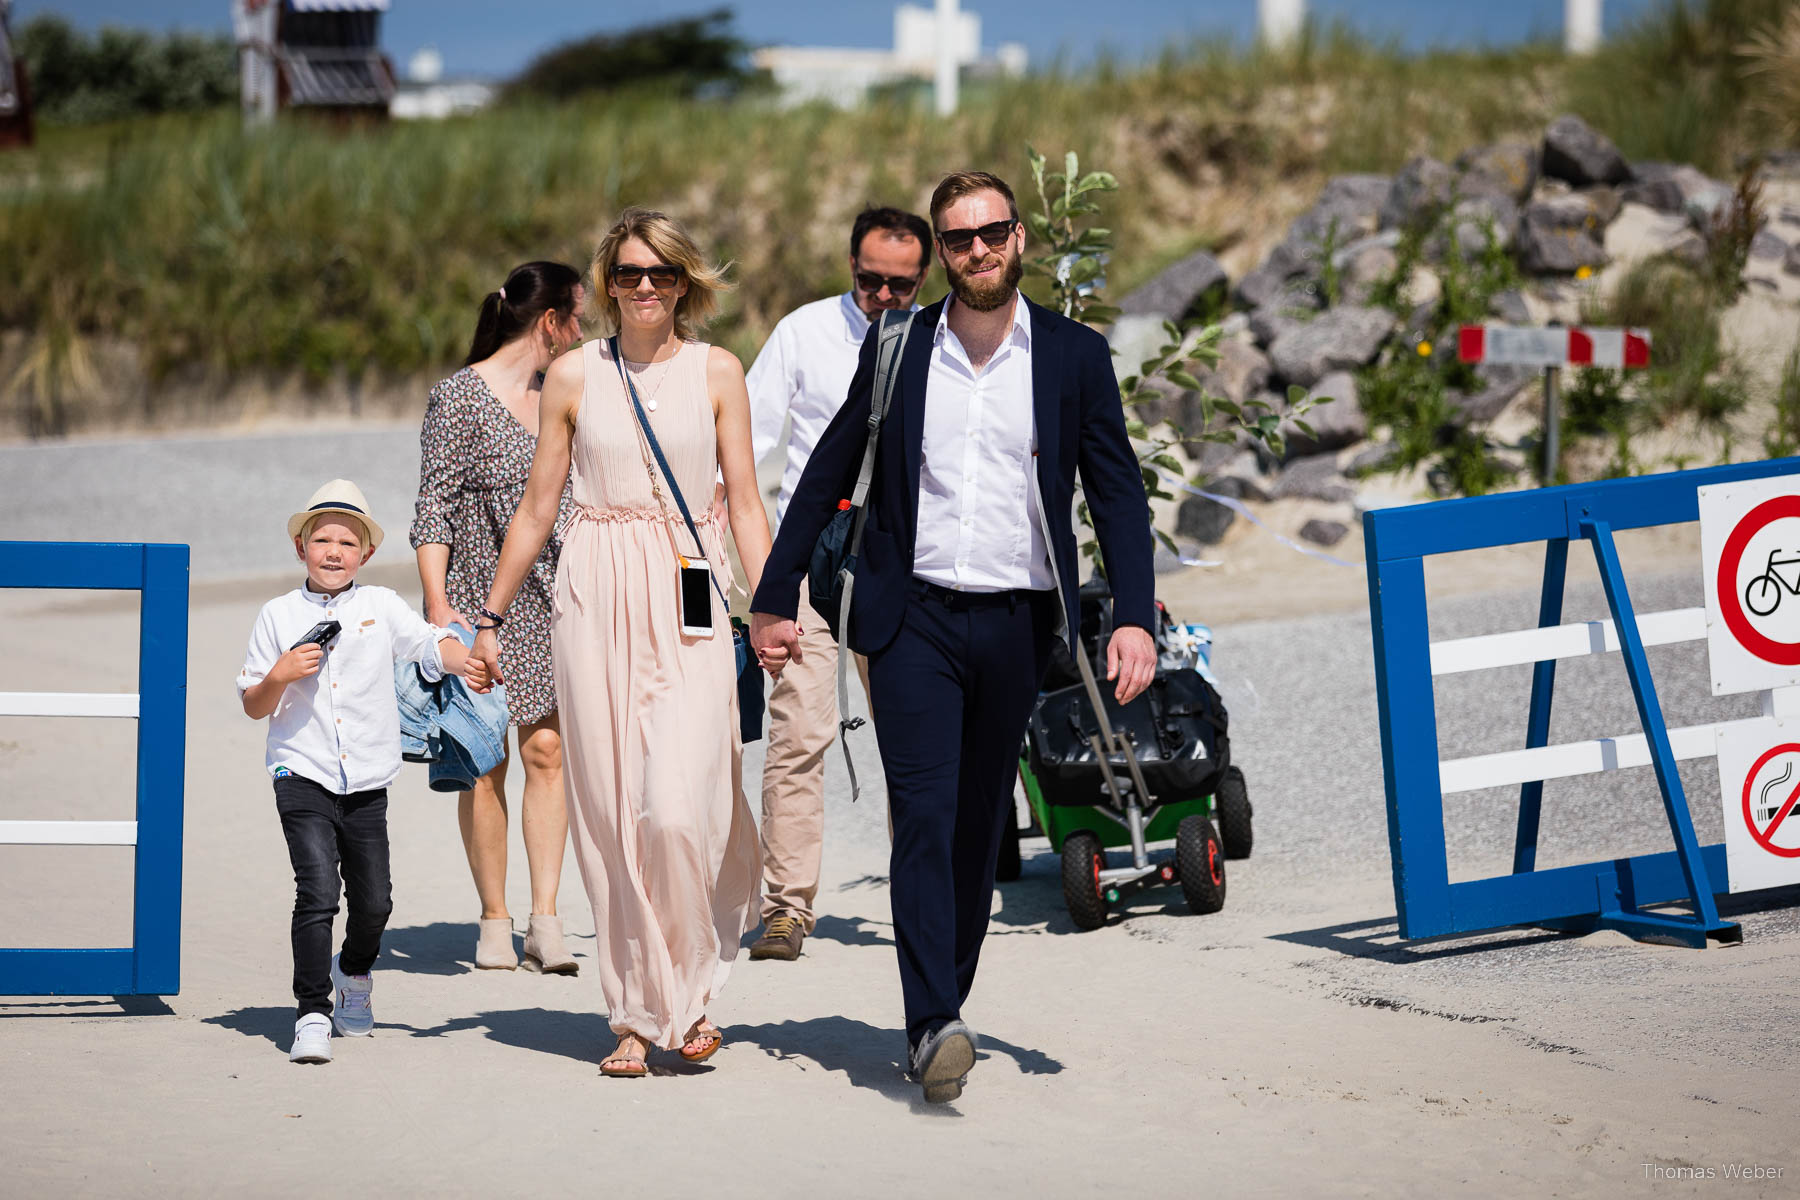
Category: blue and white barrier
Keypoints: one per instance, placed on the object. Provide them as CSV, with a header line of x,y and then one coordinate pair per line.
x,y
151,965
1609,893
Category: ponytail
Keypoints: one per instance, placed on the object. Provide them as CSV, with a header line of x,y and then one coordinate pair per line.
x,y
530,291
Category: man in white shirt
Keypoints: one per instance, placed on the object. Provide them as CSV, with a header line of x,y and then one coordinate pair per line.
x,y
802,376
967,578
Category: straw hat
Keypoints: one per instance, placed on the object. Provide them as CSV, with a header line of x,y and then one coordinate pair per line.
x,y
338,496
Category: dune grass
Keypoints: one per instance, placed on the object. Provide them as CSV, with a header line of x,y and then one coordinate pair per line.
x,y
304,248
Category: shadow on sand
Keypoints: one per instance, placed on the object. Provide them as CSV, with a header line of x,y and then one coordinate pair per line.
x,y
117,1006
868,1056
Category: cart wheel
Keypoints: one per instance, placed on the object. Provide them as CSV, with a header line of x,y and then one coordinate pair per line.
x,y
1234,814
1006,869
1082,859
1201,861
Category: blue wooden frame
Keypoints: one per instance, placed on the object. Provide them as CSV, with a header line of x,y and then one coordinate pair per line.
x,y
1611,893
151,965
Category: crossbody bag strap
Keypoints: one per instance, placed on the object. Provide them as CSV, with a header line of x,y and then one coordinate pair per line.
x,y
663,463
890,345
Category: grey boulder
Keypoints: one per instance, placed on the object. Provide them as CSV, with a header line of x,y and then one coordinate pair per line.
x,y
1559,235
1338,339
1205,521
1507,169
1498,383
1178,288
1677,188
1420,189
1335,425
1580,154
1324,533
1315,477
1241,372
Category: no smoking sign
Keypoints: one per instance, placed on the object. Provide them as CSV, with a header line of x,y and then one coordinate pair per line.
x,y
1759,776
1750,550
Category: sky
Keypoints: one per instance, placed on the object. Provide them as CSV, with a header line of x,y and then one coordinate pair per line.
x,y
485,38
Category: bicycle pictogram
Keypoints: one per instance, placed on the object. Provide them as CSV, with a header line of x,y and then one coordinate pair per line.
x,y
1762,595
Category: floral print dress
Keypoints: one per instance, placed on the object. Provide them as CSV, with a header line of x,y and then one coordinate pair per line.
x,y
474,459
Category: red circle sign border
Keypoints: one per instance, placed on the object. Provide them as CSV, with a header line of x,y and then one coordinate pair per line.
x,y
1749,779
1784,654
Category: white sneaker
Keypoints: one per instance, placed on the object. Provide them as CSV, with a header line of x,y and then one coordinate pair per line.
x,y
312,1040
352,1014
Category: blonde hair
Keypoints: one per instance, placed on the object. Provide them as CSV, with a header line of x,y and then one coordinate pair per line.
x,y
671,243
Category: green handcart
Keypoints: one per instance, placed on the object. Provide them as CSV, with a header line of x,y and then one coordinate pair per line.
x,y
1118,811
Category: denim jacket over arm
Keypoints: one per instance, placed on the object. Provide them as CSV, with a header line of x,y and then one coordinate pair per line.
x,y
461,733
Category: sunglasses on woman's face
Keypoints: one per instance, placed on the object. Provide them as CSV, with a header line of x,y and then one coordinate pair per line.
x,y
897,285
627,276
992,235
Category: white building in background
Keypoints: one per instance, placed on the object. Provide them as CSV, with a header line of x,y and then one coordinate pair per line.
x,y
426,95
1280,22
844,76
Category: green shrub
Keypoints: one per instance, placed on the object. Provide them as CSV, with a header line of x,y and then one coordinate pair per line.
x,y
123,72
1681,83
1690,374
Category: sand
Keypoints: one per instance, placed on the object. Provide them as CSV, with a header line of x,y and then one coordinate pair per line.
x,y
1283,1046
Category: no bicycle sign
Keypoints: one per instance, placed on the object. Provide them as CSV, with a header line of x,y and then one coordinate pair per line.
x,y
1759,774
1750,552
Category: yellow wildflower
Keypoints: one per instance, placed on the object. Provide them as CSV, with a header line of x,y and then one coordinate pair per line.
x,y
1424,349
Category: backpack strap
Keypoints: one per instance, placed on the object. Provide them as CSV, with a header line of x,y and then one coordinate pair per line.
x,y
890,345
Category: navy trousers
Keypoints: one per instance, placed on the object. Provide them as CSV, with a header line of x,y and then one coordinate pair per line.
x,y
951,695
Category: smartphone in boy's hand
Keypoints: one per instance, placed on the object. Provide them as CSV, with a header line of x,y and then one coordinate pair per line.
x,y
318,635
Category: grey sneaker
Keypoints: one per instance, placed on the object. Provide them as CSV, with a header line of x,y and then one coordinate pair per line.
x,y
312,1039
941,1061
353,1014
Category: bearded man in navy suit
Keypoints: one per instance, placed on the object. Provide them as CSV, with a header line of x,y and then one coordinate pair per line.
x,y
966,578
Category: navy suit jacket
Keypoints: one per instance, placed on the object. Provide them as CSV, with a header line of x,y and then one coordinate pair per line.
x,y
1080,426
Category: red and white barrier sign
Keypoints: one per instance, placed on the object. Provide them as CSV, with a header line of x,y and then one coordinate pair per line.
x,y
1555,346
1759,775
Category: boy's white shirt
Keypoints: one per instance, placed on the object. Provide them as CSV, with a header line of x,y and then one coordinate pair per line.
x,y
340,728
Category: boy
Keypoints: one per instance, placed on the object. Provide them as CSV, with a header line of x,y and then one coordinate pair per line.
x,y
321,667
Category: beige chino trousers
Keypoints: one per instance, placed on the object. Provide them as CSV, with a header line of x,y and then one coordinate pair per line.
x,y
803,722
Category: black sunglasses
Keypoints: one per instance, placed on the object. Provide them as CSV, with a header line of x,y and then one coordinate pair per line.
x,y
625,275
897,285
958,241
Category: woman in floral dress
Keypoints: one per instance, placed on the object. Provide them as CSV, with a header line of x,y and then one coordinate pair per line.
x,y
476,447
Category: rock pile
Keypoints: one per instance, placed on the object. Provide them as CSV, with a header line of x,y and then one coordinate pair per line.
x,y
1552,206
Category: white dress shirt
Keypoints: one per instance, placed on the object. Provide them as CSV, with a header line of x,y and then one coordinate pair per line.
x,y
978,515
804,370
340,728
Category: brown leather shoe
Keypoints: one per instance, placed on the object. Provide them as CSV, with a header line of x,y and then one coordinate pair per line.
x,y
780,940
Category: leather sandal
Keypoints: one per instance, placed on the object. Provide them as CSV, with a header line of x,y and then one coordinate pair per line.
x,y
619,1065
708,1035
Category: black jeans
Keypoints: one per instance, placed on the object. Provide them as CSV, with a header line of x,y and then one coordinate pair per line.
x,y
325,830
951,695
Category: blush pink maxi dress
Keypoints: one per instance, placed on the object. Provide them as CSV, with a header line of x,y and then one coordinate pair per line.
x,y
663,834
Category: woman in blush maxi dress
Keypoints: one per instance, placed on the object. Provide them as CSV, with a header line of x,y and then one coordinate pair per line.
x,y
664,836
653,769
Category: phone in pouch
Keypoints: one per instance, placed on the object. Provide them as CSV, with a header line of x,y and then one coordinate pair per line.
x,y
696,598
318,635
